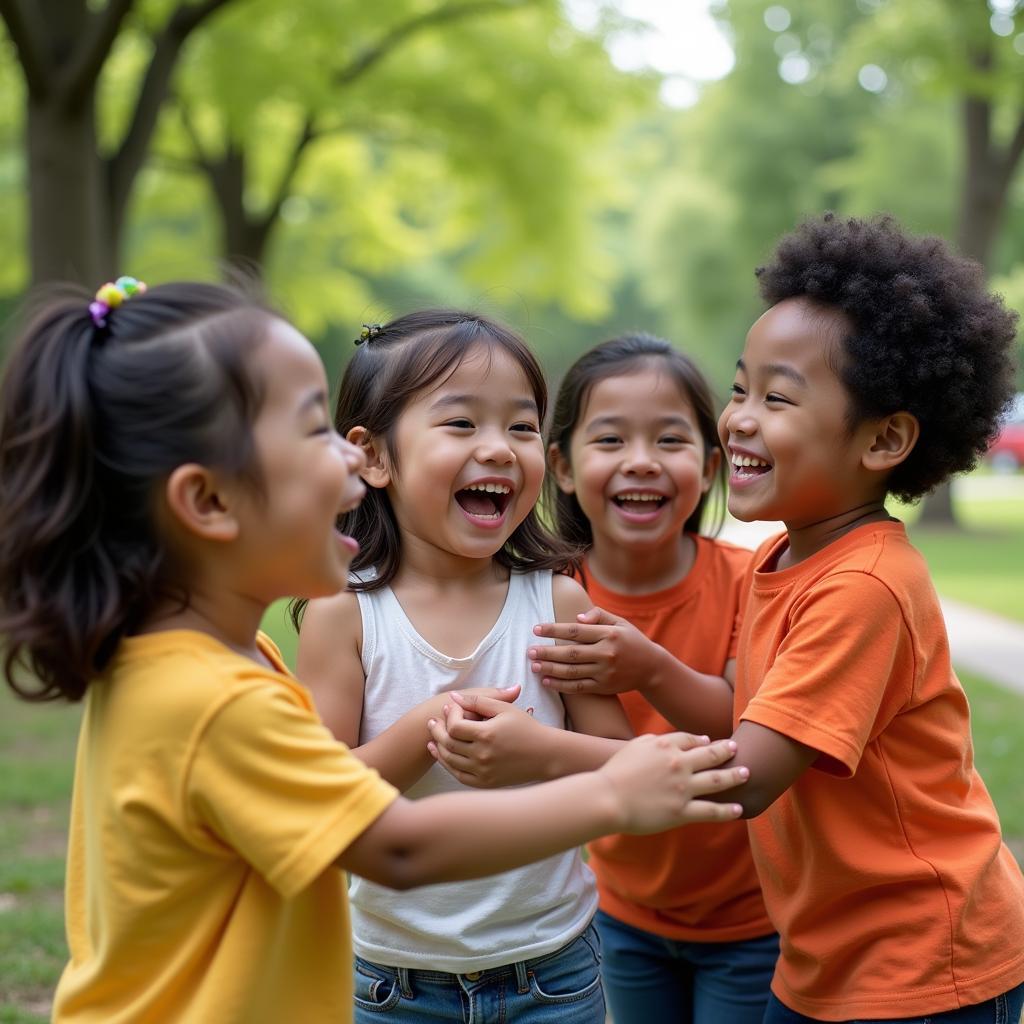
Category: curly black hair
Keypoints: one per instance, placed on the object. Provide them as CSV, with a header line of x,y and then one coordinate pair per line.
x,y
927,336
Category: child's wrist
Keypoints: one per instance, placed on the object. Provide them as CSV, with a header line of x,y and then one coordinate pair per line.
x,y
657,672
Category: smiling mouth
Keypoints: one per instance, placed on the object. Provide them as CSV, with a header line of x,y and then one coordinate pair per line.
x,y
747,466
484,501
639,502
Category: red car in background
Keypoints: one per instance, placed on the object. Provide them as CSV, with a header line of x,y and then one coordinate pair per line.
x,y
1006,453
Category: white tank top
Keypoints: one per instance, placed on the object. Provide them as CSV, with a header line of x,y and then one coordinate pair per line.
x,y
476,925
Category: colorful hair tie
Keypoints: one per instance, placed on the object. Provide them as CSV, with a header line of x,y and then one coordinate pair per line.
x,y
368,333
111,295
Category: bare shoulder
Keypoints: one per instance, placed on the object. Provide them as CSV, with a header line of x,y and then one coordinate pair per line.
x,y
569,598
331,625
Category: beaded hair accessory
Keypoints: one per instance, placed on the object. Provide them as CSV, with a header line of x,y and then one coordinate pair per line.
x,y
111,295
368,333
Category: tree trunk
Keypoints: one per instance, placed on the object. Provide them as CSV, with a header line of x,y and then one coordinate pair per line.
x,y
66,202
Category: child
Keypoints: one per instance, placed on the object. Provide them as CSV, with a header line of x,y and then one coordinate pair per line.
x,y
453,571
634,452
881,367
167,469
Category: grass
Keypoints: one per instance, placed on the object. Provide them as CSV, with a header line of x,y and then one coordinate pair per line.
x,y
982,564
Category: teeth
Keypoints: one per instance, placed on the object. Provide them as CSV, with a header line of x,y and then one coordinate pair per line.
x,y
490,488
744,461
640,496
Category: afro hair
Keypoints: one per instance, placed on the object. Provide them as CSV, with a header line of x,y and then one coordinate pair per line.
x,y
926,335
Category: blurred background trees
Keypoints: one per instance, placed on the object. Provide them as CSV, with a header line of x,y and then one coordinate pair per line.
x,y
367,158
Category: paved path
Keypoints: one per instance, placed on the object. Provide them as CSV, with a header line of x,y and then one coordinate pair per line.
x,y
981,641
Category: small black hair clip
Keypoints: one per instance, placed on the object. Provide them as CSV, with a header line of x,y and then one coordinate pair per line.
x,y
368,333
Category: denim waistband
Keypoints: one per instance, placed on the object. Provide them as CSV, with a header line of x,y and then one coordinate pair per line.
x,y
520,969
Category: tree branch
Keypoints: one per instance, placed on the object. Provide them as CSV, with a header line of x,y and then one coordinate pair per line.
x,y
77,83
1012,153
26,31
306,136
123,166
440,15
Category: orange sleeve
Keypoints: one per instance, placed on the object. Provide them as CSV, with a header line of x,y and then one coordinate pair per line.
x,y
844,668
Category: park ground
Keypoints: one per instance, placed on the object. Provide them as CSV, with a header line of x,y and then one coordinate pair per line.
x,y
982,566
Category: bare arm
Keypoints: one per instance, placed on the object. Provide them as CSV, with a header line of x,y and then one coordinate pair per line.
x,y
329,662
610,655
594,714
775,762
654,783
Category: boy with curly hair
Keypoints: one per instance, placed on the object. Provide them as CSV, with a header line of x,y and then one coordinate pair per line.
x,y
881,367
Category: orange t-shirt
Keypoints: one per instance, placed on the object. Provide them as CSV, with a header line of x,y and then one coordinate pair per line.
x,y
696,883
882,866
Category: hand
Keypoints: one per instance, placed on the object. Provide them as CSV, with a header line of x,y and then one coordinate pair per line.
x,y
605,654
659,778
504,693
486,743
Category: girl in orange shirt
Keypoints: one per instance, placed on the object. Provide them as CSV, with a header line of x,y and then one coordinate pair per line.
x,y
634,453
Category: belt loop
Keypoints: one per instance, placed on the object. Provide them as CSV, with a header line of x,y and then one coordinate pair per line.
x,y
522,981
403,982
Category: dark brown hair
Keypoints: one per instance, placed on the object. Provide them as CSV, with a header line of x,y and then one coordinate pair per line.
x,y
397,362
618,357
92,421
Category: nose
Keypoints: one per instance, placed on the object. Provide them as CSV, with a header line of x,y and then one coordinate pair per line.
x,y
493,447
640,461
737,419
355,458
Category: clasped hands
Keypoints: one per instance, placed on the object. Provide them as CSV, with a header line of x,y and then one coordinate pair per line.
x,y
487,743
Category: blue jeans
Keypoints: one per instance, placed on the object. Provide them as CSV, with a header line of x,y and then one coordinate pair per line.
x,y
1004,1009
563,987
649,979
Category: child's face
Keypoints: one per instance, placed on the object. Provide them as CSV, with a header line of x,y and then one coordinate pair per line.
x,y
793,457
471,459
310,476
637,463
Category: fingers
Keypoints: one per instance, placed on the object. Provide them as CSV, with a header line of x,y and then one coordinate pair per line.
x,y
576,632
445,742
705,810
687,740
708,755
715,780
485,707
566,654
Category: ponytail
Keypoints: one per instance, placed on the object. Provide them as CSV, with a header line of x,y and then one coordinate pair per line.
x,y
93,419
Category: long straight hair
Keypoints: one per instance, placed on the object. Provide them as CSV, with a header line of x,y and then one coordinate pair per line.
x,y
618,357
400,360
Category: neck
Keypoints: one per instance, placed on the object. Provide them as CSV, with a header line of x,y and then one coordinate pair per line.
x,y
231,618
809,538
645,571
422,562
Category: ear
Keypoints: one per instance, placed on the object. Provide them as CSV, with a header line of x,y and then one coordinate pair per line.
x,y
198,505
893,440
376,473
712,460
561,470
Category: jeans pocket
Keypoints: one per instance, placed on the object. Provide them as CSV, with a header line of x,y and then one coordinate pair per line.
x,y
571,976
374,990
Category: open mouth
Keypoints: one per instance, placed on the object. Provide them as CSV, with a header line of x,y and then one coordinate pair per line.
x,y
640,502
746,467
484,501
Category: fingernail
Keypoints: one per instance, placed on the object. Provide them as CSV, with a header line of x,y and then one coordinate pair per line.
x,y
537,630
704,739
737,809
531,654
456,696
731,744
744,773
431,721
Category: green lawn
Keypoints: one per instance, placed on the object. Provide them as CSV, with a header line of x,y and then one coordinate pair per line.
x,y
36,761
982,564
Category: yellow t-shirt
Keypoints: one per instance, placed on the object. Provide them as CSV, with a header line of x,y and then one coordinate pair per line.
x,y
209,804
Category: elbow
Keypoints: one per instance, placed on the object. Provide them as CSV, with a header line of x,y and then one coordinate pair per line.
x,y
755,800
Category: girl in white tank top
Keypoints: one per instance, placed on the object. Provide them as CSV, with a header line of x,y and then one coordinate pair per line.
x,y
454,571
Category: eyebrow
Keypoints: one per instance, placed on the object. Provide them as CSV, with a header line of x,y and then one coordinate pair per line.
x,y
446,401
778,370
615,421
313,399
